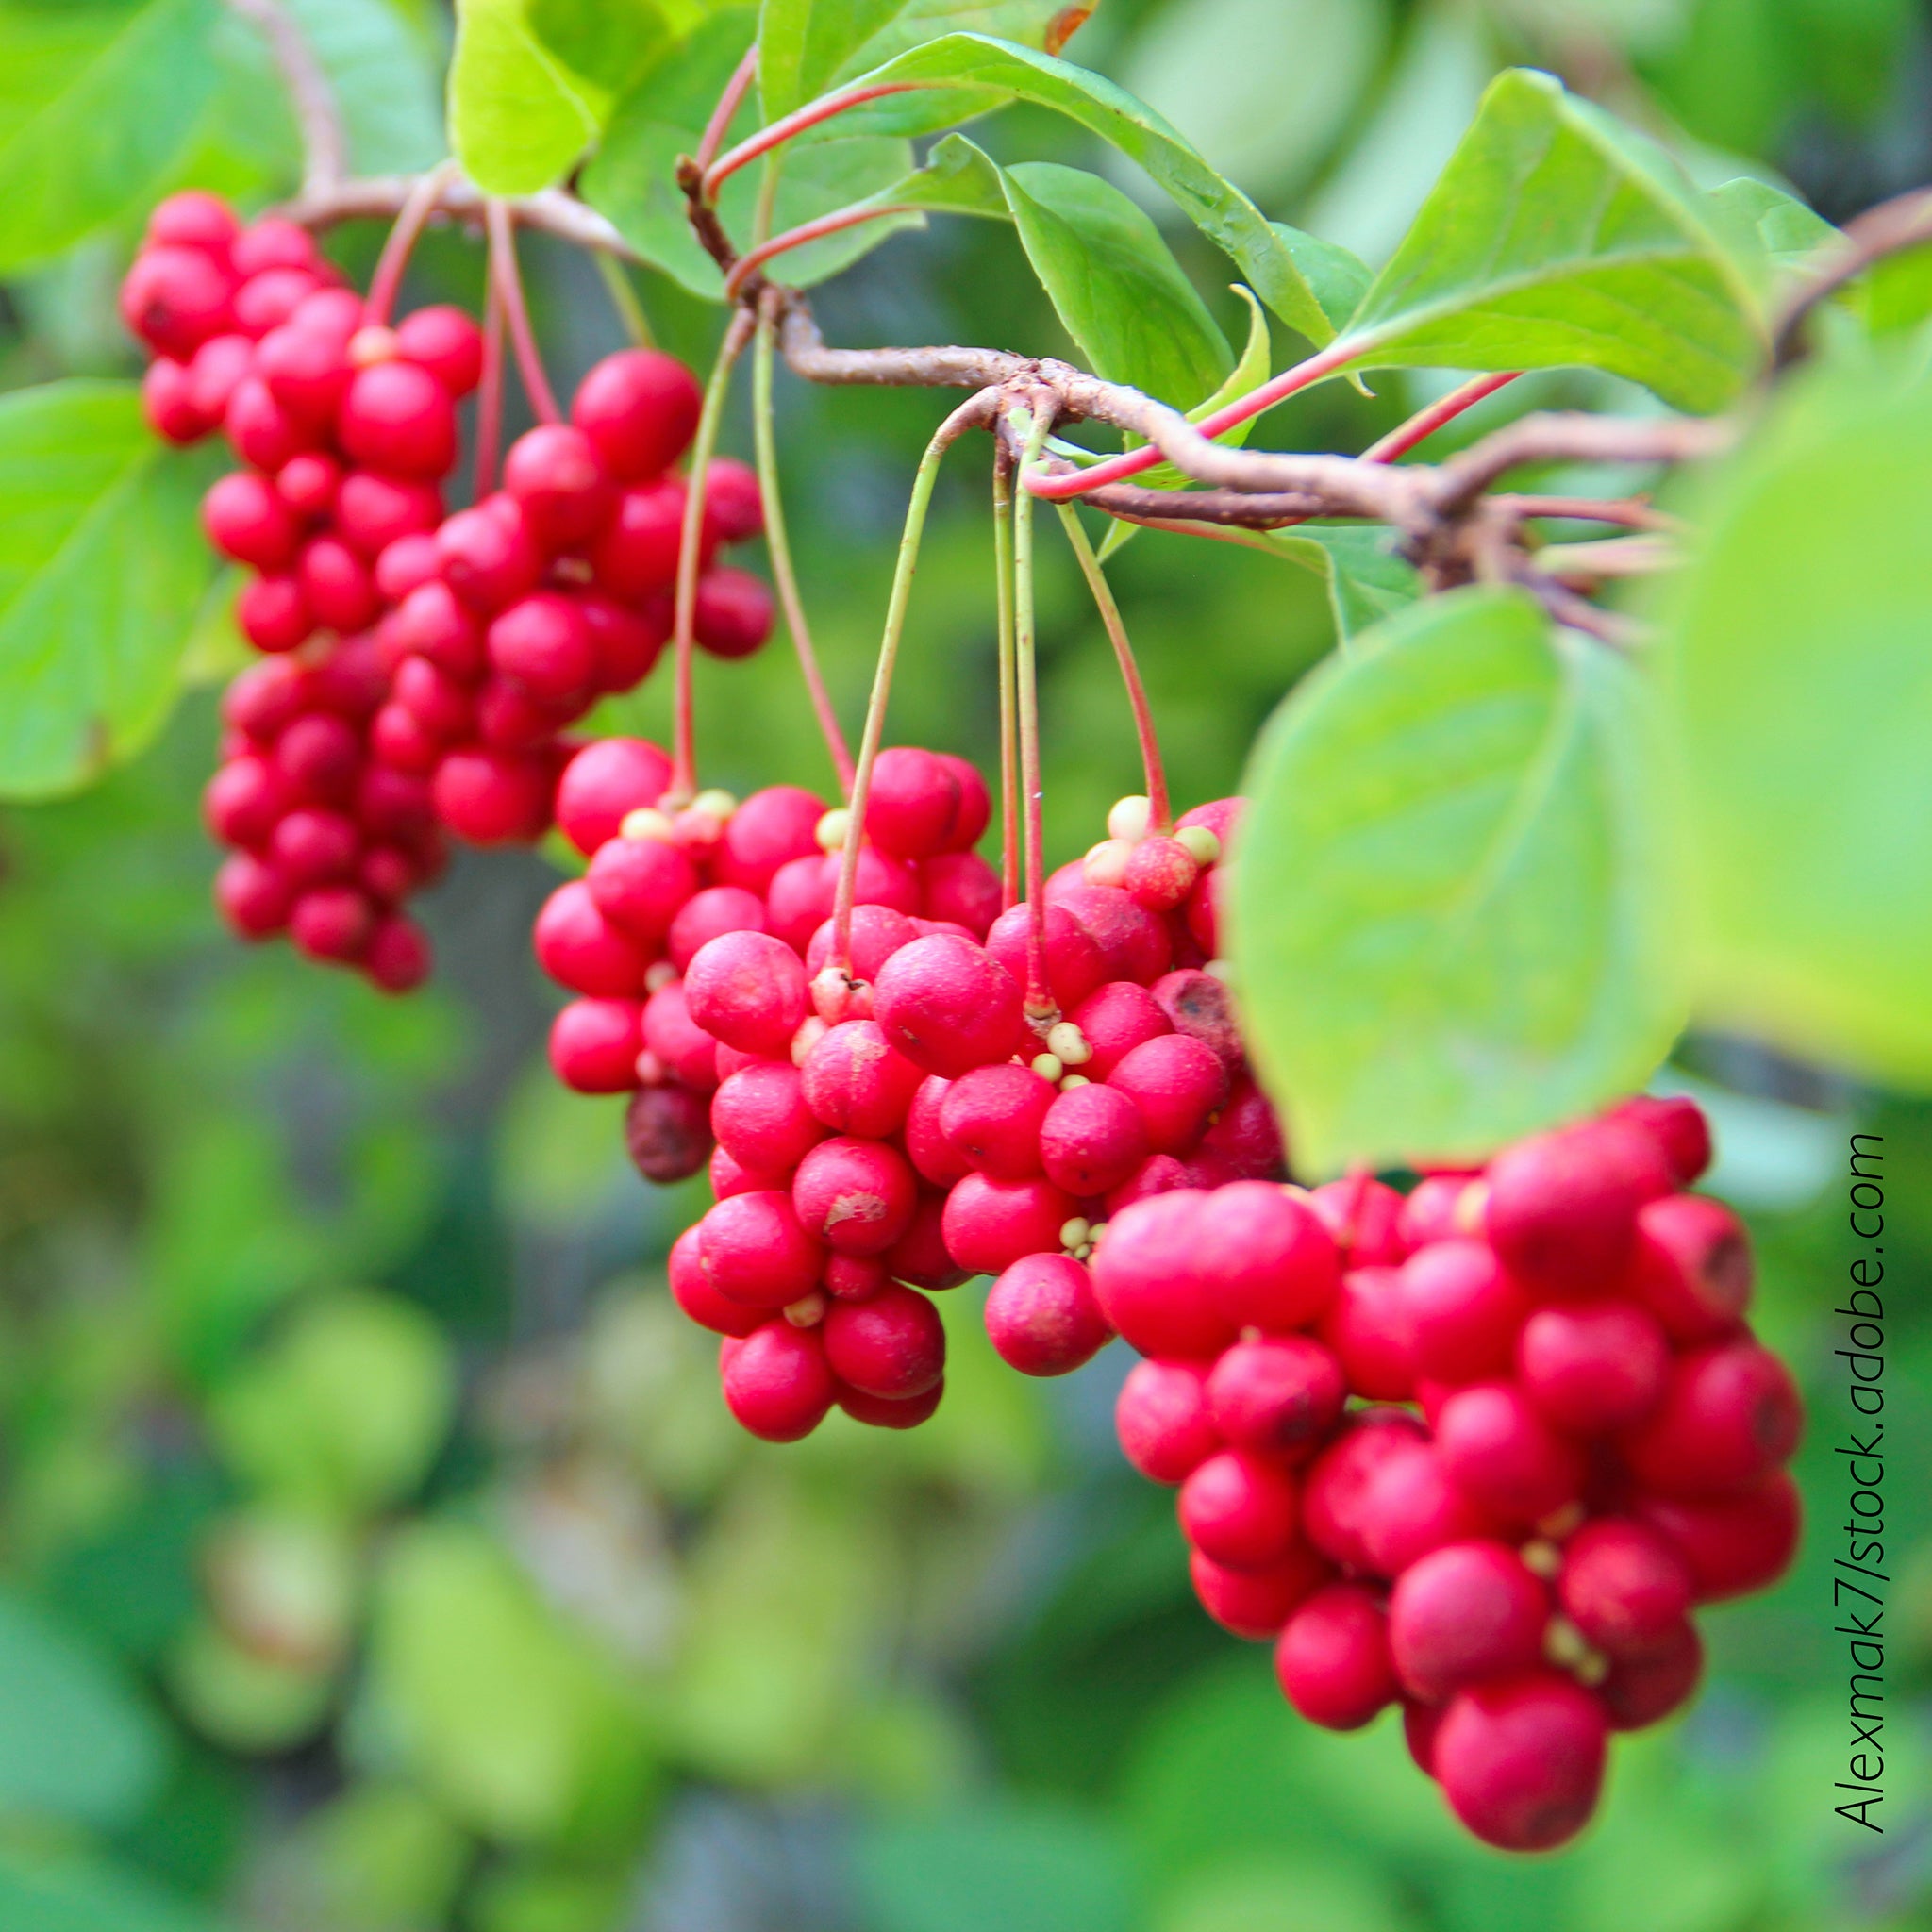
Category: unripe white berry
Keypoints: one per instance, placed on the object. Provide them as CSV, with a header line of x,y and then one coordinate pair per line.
x,y
1106,864
808,1311
811,1029
832,827
1069,1082
1131,818
1203,847
1047,1066
1068,1045
1542,1558
658,975
373,344
715,804
1075,1233
648,822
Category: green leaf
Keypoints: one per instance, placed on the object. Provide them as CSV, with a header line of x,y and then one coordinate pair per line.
x,y
102,572
808,47
97,101
1452,920
65,1896
958,179
518,116
989,72
385,79
1114,284
1556,236
1788,231
632,178
1367,581
1802,694
610,44
77,1743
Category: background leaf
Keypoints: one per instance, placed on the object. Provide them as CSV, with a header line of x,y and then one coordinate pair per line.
x,y
1788,230
1451,919
1802,694
97,101
72,1896
102,571
1556,236
518,116
1114,284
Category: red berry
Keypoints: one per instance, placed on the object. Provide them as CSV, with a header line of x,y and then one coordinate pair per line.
x,y
1370,1326
770,828
961,888
756,1251
948,1005
580,949
698,1298
265,301
1594,1366
311,846
1073,962
392,805
1521,1761
1678,1128
991,1224
878,1413
1463,1613
432,623
397,958
992,1117
336,585
637,553
640,884
397,417
1466,1310
168,406
273,242
306,369
776,1382
733,614
489,556
1639,1690
1176,1082
1730,1415
1335,1499
1199,1006
624,644
1133,942
176,298
246,519
309,485
1263,1258
1562,1208
1623,1586
1238,1508
1091,1140
493,797
445,341
554,472
251,896
920,1255
878,933
1114,1019
711,914
594,1044
639,407
398,740
1042,1317
372,511
734,510
857,1083
685,1051
1504,1456
1280,1395
193,219
1441,1208
542,643
1144,1275
215,371
1160,873
920,803
855,1277
319,756
1162,1420
891,1345
262,432
857,1197
1332,1659
760,1118
244,802
749,990
1732,1546
332,923
445,706
1255,1603
1693,1267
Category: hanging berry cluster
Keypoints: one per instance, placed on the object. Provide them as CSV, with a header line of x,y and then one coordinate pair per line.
x,y
1479,1450
422,665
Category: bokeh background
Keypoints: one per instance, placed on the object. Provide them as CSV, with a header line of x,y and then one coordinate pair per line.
x,y
375,1554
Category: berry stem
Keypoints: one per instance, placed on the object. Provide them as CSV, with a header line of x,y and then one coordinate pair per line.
x,y
509,284
971,411
387,282
1159,811
718,125
1425,422
488,395
778,547
623,298
1009,743
811,115
752,259
1118,469
1039,1006
684,754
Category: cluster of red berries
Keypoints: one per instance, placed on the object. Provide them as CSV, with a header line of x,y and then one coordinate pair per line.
x,y
515,615
1600,1445
422,665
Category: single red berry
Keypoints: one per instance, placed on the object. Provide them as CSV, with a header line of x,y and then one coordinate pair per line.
x,y
1280,1395
1263,1258
963,890
1199,1006
1693,1267
1073,963
1463,1613
580,949
1639,1690
1678,1126
878,1413
1113,1020
397,417
319,756
1442,1206
685,1052
176,298
1177,1083
1144,1275
698,1298
554,472
919,802
493,797
1410,1506
336,584
711,914
855,1277
776,1382
398,741
1730,1415
1091,1140
1160,873
1466,1310
307,371
1161,1419
734,510
251,896
1332,1659
991,1224
1042,1316
1732,1546
543,644
311,846
1238,1508
246,519
760,1118
1521,1761
1562,1208
265,301
393,805
1590,1366
193,218
919,1255
431,622
1255,1603
856,1082
1335,1498
168,405
397,958
891,1345
640,409
878,933
1370,1326
445,341
948,1007
1504,1456
857,1196
636,555
733,615
273,242
594,1044
261,431
374,511
625,644
489,556
1132,943
640,884
992,1117
309,485
244,802
332,923
444,706
1623,1586
770,828
755,1251
215,371
509,718
749,990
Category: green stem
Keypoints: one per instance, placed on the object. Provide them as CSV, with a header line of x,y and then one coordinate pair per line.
x,y
684,755
1009,743
1159,811
778,547
623,298
1039,1002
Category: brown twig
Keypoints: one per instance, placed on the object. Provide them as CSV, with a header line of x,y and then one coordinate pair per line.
x,y
324,139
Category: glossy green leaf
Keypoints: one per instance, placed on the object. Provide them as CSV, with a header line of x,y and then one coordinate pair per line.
x,y
1788,231
956,178
808,47
608,43
97,101
632,179
1114,283
1803,699
1558,236
987,72
102,572
518,116
78,1743
1452,914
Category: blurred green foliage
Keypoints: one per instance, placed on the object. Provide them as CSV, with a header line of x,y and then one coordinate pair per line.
x,y
374,1554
